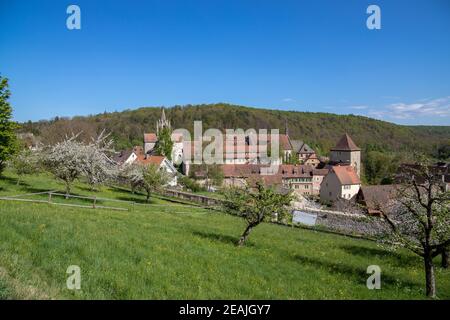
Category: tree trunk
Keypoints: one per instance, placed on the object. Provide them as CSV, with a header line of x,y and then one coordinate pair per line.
x,y
67,190
445,258
244,236
148,197
429,277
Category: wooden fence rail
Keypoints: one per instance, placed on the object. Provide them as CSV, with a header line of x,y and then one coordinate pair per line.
x,y
50,200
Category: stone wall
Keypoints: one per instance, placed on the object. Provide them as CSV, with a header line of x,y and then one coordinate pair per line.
x,y
208,201
340,222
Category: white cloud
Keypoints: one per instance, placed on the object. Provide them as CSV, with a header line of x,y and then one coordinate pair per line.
x,y
429,108
362,107
288,100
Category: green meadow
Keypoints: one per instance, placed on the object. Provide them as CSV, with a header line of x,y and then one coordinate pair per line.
x,y
168,250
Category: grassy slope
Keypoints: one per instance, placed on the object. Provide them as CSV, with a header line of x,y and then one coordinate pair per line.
x,y
167,250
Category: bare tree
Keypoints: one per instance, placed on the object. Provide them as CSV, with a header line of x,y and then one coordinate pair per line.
x,y
256,205
419,218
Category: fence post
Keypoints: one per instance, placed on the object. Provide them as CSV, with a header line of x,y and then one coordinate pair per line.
x,y
95,200
49,197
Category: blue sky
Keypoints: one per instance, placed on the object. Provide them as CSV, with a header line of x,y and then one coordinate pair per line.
x,y
288,55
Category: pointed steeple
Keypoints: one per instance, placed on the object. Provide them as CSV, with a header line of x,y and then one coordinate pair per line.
x,y
286,129
163,122
345,144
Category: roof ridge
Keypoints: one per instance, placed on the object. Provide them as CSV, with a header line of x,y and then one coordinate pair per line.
x,y
345,143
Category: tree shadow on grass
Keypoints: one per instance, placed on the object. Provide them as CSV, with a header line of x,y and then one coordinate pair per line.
x,y
133,199
13,182
88,189
397,258
220,238
359,275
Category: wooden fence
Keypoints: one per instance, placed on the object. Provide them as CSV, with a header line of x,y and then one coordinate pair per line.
x,y
52,194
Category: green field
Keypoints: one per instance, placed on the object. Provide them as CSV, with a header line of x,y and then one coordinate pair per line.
x,y
167,250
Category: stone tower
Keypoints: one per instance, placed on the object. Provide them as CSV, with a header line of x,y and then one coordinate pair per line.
x,y
162,123
347,152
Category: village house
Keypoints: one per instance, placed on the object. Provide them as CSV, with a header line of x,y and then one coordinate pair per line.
x,y
318,175
376,199
137,156
298,178
128,156
302,179
303,152
163,163
241,149
312,160
239,175
342,182
150,140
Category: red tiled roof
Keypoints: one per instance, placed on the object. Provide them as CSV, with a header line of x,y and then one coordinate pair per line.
x,y
346,174
320,172
252,173
345,144
142,159
150,137
241,170
295,171
377,196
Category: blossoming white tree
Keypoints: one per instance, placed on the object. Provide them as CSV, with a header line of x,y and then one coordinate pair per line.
x,y
148,177
65,160
96,166
70,159
24,162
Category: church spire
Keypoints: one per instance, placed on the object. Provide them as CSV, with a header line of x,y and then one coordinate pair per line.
x,y
286,129
163,122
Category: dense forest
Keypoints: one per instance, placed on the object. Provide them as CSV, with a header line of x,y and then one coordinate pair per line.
x,y
382,142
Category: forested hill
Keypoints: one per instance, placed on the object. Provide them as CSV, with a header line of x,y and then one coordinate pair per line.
x,y
320,130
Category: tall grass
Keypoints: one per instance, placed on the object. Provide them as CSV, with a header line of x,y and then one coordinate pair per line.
x,y
171,251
